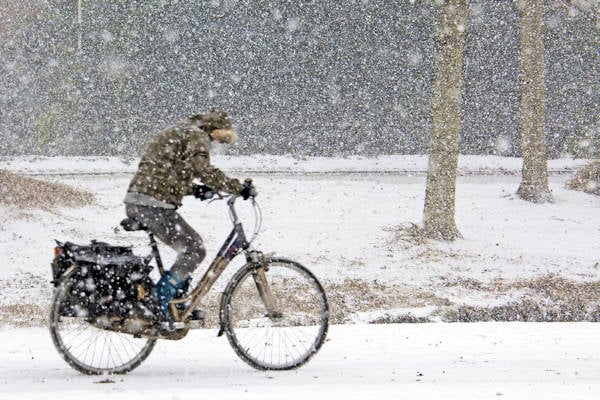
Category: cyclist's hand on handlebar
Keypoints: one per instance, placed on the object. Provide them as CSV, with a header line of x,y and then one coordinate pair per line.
x,y
248,190
203,192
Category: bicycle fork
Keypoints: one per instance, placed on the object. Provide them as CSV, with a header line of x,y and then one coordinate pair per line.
x,y
264,290
259,263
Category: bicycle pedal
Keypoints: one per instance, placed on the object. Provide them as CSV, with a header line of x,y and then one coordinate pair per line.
x,y
169,326
198,315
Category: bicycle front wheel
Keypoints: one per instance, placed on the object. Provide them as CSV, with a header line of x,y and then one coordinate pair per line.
x,y
89,349
276,317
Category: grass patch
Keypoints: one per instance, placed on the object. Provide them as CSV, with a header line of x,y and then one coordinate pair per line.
x,y
23,315
587,179
526,310
548,298
28,193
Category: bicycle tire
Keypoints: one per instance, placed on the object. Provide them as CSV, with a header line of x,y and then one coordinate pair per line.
x,y
88,349
287,341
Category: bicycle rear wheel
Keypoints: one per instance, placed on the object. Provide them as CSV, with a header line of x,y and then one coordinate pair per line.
x,y
284,331
89,349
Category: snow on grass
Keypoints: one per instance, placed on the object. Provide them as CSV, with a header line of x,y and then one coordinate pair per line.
x,y
346,220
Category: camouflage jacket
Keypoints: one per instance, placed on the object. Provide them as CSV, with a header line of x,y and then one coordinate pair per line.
x,y
173,159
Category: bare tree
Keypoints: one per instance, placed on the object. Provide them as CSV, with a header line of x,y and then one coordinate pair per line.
x,y
534,184
440,193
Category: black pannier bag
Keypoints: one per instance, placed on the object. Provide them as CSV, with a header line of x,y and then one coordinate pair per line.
x,y
109,280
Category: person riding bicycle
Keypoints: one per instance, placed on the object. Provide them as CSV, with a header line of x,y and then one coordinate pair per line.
x,y
172,161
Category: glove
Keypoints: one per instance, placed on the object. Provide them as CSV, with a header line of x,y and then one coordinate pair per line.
x,y
248,190
203,192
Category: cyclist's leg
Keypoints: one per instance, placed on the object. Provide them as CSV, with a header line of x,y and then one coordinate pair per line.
x,y
168,226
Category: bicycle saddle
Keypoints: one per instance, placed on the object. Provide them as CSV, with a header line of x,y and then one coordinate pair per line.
x,y
132,225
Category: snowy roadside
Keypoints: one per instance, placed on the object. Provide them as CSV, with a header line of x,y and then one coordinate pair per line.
x,y
407,165
396,361
517,261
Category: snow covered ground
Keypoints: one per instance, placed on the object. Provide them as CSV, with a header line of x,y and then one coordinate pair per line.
x,y
398,361
342,218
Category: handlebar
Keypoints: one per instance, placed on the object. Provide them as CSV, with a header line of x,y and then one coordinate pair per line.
x,y
204,192
231,199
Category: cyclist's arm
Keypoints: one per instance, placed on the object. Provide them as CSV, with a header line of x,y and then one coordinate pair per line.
x,y
203,170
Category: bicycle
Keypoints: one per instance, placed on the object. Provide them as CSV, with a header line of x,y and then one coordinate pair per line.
x,y
273,311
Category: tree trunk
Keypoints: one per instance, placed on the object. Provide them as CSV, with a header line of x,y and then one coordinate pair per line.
x,y
534,183
438,214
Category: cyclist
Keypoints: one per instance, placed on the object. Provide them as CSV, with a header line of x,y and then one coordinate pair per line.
x,y
172,161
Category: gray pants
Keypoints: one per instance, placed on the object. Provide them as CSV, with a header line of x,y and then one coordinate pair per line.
x,y
168,226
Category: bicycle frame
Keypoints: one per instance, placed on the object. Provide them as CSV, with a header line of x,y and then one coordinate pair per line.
x,y
235,243
286,331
